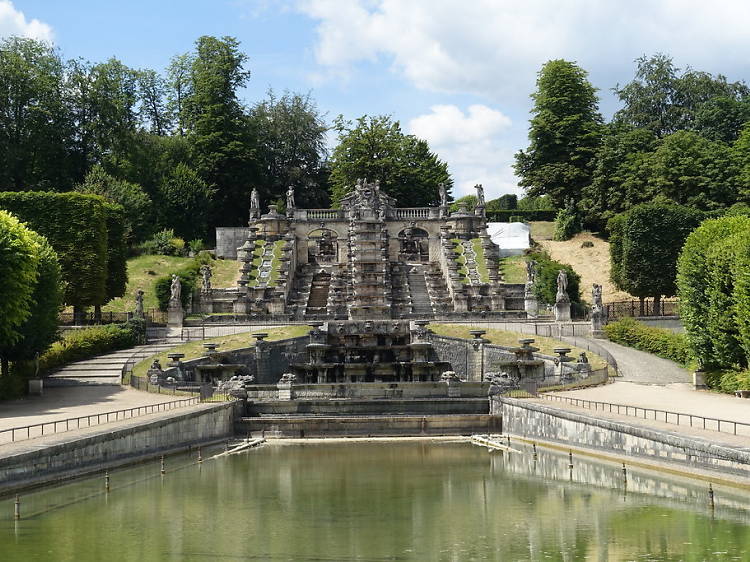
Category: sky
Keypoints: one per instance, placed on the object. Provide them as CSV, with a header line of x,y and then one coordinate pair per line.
x,y
457,73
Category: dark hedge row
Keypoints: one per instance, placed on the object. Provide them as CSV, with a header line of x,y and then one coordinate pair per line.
x,y
525,216
85,232
664,343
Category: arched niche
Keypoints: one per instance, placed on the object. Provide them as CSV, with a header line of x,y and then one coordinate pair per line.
x,y
322,246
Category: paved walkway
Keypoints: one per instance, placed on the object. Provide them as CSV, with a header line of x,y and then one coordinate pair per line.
x,y
85,388
651,382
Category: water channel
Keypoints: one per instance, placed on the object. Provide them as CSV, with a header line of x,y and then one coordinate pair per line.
x,y
375,501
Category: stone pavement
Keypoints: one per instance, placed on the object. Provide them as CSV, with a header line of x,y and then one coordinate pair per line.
x,y
651,382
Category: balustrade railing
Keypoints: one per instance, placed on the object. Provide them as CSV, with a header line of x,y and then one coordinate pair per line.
x,y
413,213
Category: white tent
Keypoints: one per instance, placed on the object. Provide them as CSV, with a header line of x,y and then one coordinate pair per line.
x,y
512,237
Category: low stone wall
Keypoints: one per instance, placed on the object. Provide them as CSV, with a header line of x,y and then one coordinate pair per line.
x,y
228,239
381,426
444,406
372,391
110,447
535,420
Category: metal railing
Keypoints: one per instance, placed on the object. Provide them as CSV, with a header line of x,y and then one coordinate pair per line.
x,y
11,435
667,416
647,308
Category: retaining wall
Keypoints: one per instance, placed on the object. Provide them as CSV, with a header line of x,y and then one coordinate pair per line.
x,y
380,426
535,420
38,462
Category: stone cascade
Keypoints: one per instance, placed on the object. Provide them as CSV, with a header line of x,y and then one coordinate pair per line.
x,y
317,302
421,304
455,283
401,299
300,291
437,289
370,271
339,294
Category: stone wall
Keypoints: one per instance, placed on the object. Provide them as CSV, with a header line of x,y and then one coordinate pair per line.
x,y
359,426
228,239
538,421
372,391
109,446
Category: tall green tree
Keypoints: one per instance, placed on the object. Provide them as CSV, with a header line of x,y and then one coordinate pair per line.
x,y
645,243
663,100
291,139
375,148
564,134
34,128
134,200
184,201
221,144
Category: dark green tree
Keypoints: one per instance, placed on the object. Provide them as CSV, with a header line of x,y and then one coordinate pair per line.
x,y
291,137
645,243
564,134
136,203
375,148
185,200
34,129
221,145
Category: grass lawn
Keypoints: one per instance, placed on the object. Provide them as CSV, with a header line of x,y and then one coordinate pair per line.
x,y
513,269
484,275
463,271
226,343
542,230
143,272
510,339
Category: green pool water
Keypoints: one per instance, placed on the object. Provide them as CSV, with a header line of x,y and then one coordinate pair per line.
x,y
375,501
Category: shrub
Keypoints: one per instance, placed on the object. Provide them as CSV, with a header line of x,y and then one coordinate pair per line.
x,y
89,342
545,287
527,215
196,245
664,343
567,224
164,243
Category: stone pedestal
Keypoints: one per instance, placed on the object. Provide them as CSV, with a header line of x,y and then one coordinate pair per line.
x,y
562,310
285,386
175,315
699,380
530,302
36,386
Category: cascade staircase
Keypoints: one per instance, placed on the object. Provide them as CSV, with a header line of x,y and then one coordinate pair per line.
x,y
318,301
420,298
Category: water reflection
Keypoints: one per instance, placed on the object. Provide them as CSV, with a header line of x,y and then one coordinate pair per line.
x,y
378,501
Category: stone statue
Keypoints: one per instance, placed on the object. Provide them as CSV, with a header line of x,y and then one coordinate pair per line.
x,y
176,289
531,272
480,195
139,313
596,296
254,204
443,195
562,284
206,275
598,312
290,198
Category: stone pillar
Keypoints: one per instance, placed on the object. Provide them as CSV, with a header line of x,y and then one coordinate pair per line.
x,y
475,356
175,315
562,309
565,376
530,302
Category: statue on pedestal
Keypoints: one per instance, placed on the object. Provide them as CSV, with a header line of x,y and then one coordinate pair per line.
x,y
480,195
175,298
206,275
290,205
254,204
139,313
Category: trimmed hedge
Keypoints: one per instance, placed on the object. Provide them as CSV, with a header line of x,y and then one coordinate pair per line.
x,y
526,216
117,252
76,227
83,344
664,343
714,290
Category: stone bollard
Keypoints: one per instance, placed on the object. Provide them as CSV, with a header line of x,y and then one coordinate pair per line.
x,y
285,386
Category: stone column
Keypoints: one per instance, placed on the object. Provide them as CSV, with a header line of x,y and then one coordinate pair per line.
x,y
262,358
475,356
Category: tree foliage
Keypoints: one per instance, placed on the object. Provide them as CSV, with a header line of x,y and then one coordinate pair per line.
x,y
564,134
545,287
184,197
375,148
645,243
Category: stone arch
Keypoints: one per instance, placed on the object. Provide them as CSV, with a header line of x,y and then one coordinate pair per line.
x,y
413,244
322,245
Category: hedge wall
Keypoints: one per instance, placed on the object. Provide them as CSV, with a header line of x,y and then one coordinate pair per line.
x,y
664,343
714,291
526,216
117,252
76,226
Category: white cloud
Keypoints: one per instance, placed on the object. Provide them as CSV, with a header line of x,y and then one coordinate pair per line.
x,y
471,143
494,48
14,22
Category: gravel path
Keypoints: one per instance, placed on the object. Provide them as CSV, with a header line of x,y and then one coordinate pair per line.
x,y
643,368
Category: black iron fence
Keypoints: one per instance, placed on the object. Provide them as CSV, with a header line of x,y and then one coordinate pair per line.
x,y
648,307
13,434
153,316
666,416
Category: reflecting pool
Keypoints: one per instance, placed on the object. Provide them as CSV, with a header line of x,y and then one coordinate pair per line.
x,y
384,500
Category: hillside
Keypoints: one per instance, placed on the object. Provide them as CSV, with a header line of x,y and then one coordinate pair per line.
x,y
592,264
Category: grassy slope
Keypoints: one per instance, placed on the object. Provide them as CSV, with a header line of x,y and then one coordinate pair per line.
x,y
143,272
226,343
592,264
510,339
513,269
484,275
